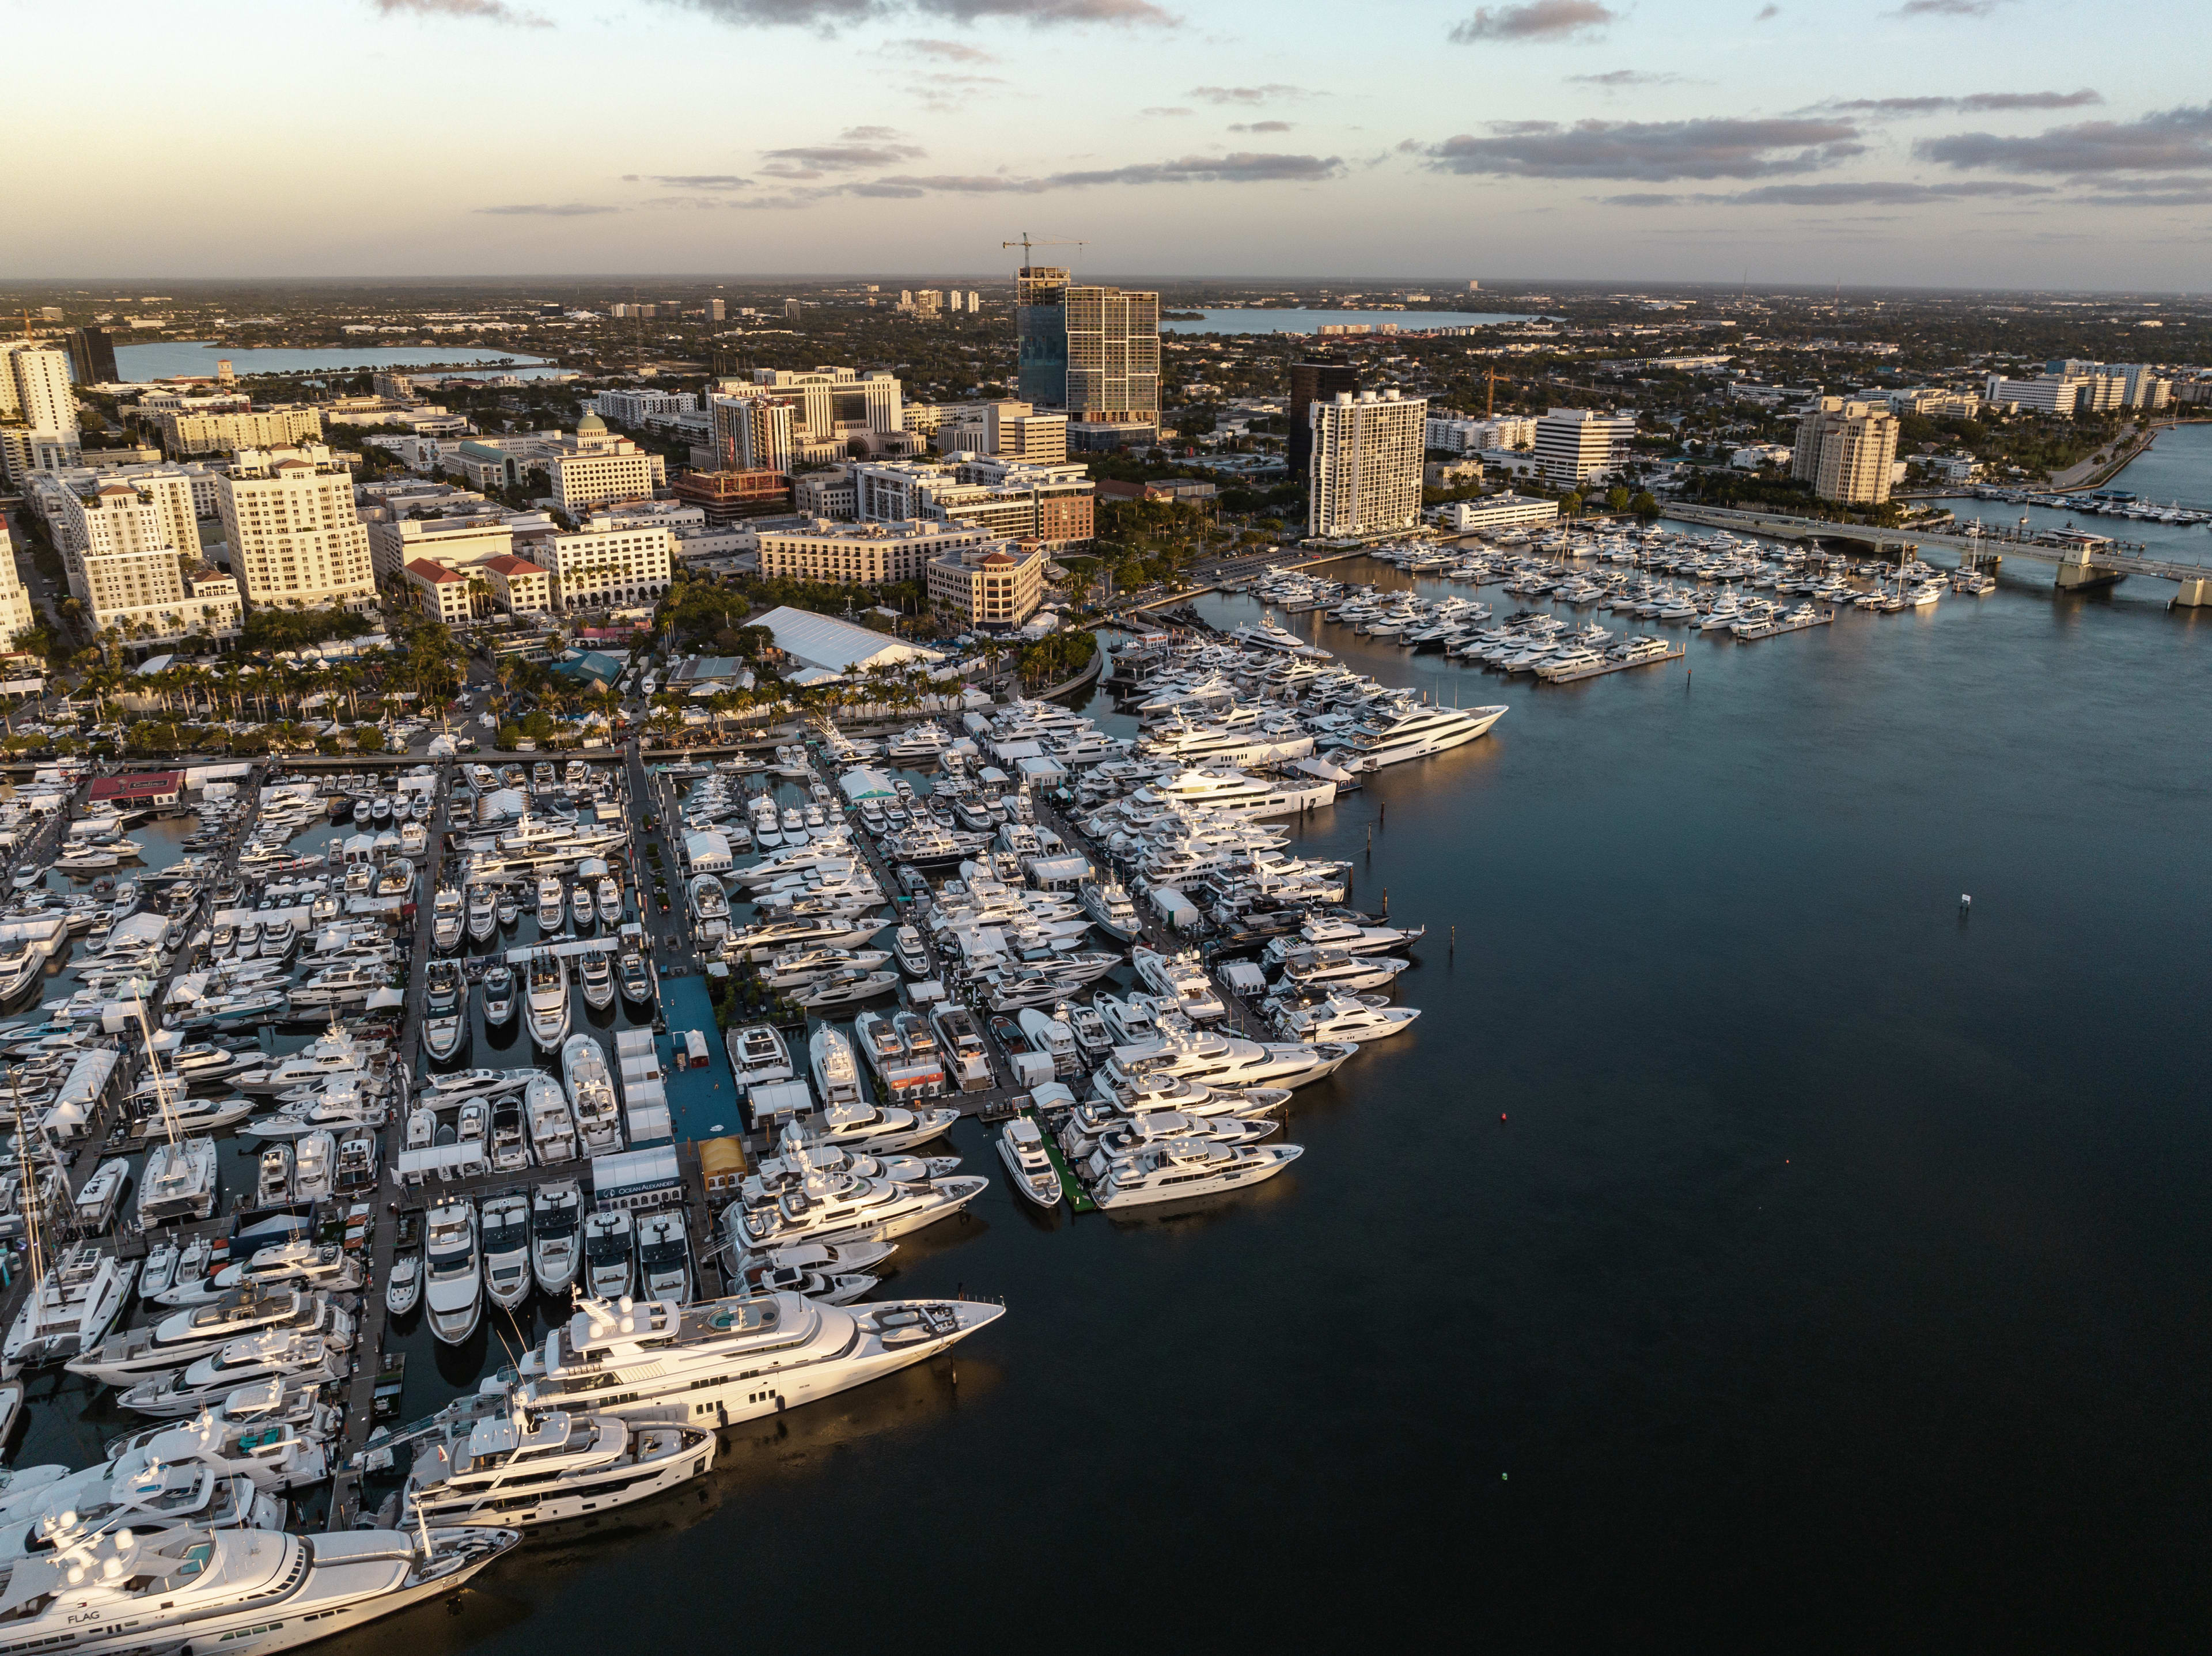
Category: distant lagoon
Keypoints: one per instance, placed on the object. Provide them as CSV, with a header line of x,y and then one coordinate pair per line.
x,y
173,358
1266,321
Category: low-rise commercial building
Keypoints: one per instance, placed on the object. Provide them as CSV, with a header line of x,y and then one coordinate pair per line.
x,y
603,565
519,586
1507,511
440,593
728,497
995,588
867,554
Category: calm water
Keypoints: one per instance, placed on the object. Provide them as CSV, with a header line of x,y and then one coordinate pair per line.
x,y
1744,1245
175,358
1243,321
2177,471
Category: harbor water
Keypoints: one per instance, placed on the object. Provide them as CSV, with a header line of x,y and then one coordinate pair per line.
x,y
1750,1242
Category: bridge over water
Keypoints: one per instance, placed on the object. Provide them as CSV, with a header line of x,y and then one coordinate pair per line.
x,y
2078,567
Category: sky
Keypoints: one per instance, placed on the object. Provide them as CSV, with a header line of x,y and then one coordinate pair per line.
x,y
2011,143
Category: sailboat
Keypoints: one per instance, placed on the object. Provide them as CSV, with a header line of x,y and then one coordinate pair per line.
x,y
180,1178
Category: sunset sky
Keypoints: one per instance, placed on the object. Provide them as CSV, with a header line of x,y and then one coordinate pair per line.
x,y
2001,143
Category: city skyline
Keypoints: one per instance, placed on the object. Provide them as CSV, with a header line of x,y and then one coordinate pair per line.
x,y
1937,143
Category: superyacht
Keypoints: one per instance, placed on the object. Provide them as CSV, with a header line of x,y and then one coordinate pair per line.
x,y
530,1466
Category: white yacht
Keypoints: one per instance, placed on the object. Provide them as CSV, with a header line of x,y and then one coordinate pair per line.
x,y
591,1094
664,1257
1412,733
483,913
183,1337
180,1182
136,1591
548,1000
552,900
730,1360
609,1255
1359,1018
598,972
70,1308
837,1079
555,1212
757,1054
552,1123
609,901
448,913
445,1009
524,1467
841,1207
300,1262
506,1250
290,1356
453,1274
1213,1060
1111,910
1022,1147
1180,978
1177,1169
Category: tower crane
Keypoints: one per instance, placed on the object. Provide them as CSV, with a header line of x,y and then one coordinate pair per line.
x,y
1025,244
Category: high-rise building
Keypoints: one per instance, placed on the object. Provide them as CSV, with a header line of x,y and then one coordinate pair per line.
x,y
791,310
1846,450
717,310
1574,445
294,537
38,412
1092,352
754,433
16,615
129,565
92,356
1366,468
1322,378
184,432
975,303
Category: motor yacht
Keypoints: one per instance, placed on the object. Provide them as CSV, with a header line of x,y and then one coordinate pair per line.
x,y
1022,1147
836,1080
591,1094
634,971
180,1181
579,906
272,1433
445,1009
548,1000
556,1214
1177,1169
731,1361
598,973
913,957
510,1145
403,1283
292,1356
183,1337
610,1254
551,1122
453,1272
70,1308
664,1257
506,1241
499,997
525,1467
710,907
552,900
297,1263
1324,971
759,1054
1182,979
93,1208
483,914
245,1591
608,894
314,1168
1356,1018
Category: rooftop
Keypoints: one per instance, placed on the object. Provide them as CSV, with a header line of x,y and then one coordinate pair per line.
x,y
814,640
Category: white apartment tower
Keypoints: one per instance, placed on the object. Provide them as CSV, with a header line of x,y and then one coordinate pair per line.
x,y
1846,450
16,615
126,567
38,414
1367,452
295,539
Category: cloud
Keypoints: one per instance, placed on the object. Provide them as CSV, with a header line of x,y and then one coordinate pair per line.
x,y
1654,151
2198,194
950,52
1948,8
2171,141
828,16
691,180
567,209
952,185
1974,103
1164,112
813,160
1539,20
1877,193
869,134
1274,92
1767,14
1244,166
1259,126
489,11
1621,77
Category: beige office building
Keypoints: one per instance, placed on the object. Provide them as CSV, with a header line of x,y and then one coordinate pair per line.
x,y
225,434
607,565
996,586
1367,454
868,554
126,568
1846,450
295,539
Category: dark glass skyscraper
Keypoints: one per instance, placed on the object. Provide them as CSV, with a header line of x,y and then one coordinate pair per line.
x,y
92,356
1317,380
1041,326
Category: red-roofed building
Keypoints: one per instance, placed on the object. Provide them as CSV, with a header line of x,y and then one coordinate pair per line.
x,y
139,788
440,593
519,586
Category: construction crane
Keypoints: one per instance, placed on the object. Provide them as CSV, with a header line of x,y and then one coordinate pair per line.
x,y
1025,244
1489,392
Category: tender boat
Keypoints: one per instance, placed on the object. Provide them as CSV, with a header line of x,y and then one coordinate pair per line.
x,y
402,1286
